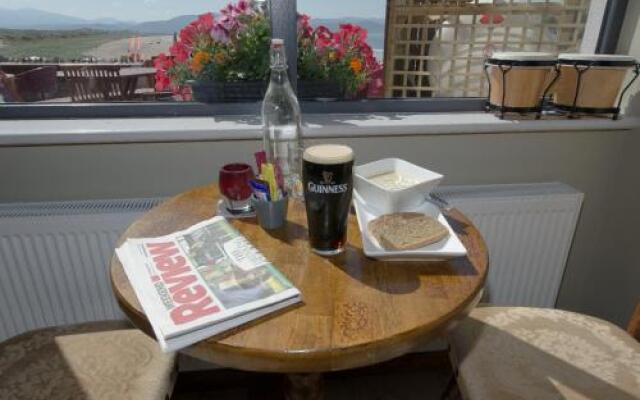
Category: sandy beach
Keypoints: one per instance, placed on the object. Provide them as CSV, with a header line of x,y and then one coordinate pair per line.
x,y
151,46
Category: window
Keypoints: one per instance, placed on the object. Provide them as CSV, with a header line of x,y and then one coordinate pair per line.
x,y
437,48
382,50
151,50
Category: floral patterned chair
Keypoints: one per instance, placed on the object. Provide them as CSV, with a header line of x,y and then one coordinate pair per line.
x,y
532,353
98,360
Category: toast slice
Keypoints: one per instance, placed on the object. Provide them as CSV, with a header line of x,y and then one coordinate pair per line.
x,y
406,230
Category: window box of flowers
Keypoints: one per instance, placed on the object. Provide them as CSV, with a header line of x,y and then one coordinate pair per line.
x,y
336,64
225,58
219,58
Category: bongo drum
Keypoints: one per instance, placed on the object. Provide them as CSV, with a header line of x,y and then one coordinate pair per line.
x,y
518,81
592,83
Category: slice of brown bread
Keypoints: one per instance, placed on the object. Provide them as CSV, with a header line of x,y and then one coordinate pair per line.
x,y
406,230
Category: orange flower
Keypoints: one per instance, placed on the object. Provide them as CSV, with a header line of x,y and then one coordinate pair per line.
x,y
356,65
199,60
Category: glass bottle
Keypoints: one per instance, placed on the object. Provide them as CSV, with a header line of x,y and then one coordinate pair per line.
x,y
282,123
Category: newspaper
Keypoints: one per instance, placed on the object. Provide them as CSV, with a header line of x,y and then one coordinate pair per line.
x,y
202,281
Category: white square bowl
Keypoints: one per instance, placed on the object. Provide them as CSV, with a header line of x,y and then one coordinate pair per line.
x,y
390,201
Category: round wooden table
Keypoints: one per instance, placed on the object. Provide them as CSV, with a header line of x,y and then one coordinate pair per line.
x,y
356,312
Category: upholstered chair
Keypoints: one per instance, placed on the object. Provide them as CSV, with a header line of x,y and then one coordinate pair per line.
x,y
513,353
97,361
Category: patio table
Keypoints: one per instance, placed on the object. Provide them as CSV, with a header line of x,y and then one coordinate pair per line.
x,y
129,79
356,311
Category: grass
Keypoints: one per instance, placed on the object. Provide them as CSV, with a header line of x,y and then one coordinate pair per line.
x,y
65,45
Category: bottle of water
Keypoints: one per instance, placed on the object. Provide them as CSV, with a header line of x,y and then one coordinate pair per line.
x,y
282,125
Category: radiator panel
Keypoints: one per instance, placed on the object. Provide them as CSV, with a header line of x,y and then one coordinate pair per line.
x,y
528,230
54,260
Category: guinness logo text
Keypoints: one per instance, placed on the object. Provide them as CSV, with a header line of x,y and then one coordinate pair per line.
x,y
316,188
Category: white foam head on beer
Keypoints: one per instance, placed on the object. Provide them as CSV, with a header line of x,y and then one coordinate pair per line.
x,y
328,154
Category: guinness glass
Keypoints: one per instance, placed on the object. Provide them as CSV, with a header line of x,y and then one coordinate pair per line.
x,y
328,181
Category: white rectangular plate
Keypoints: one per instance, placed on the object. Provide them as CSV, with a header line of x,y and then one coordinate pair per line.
x,y
447,248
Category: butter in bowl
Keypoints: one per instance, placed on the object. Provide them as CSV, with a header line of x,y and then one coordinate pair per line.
x,y
392,184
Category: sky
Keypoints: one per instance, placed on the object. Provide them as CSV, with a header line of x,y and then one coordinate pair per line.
x,y
149,10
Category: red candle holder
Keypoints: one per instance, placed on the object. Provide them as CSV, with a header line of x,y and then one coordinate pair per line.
x,y
234,186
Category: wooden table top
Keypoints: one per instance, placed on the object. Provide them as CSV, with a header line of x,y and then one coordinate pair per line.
x,y
356,312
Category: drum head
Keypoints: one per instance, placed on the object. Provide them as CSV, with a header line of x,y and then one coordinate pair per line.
x,y
524,59
597,60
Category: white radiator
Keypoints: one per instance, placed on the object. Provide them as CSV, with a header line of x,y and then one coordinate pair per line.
x,y
528,229
54,257
54,260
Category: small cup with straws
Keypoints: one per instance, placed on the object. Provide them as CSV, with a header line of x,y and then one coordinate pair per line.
x,y
269,199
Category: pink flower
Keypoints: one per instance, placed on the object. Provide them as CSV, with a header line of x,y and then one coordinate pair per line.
x,y
243,6
230,23
220,34
227,10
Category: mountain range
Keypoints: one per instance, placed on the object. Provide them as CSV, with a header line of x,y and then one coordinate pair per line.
x,y
30,18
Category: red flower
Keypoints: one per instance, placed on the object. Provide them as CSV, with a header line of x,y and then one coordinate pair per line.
x,y
376,84
495,19
187,34
354,35
180,51
197,30
163,64
205,22
323,37
304,27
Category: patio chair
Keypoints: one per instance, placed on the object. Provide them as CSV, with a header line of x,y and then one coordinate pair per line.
x,y
532,353
37,84
94,83
98,360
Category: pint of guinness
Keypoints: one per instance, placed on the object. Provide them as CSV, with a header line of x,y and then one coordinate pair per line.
x,y
327,176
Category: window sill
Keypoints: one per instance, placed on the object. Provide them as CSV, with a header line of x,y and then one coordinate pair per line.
x,y
88,131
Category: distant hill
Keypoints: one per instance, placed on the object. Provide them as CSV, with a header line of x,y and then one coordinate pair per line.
x,y
373,25
163,27
29,18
